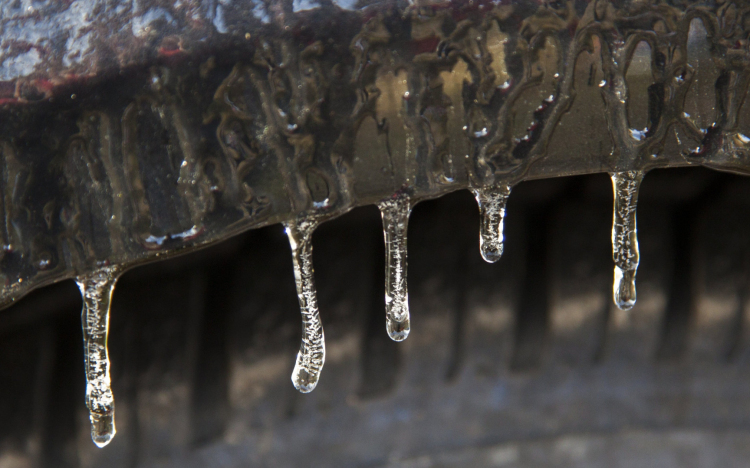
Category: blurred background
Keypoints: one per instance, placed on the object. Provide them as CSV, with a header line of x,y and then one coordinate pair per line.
x,y
525,363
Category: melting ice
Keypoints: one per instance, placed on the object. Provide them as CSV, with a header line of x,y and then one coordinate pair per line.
x,y
312,350
624,236
96,291
395,212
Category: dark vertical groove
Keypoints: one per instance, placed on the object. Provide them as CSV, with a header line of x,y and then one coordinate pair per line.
x,y
459,282
43,384
737,331
65,397
532,313
209,408
121,306
381,359
675,330
602,343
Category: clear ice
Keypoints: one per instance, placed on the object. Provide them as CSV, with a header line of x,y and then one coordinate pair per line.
x,y
625,236
395,212
312,351
96,292
491,201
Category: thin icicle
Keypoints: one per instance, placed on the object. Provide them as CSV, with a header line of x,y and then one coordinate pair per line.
x,y
96,292
491,201
312,351
625,236
395,212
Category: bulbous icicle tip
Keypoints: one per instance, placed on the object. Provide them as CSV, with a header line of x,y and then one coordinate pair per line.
x,y
303,378
102,428
623,288
492,201
398,331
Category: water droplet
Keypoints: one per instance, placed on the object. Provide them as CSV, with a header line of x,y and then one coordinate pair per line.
x,y
603,83
481,133
312,352
96,292
492,201
395,212
625,186
638,134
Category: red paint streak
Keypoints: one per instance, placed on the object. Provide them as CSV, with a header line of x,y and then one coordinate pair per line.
x,y
164,52
428,45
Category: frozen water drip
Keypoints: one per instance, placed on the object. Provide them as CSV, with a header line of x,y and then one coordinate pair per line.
x,y
625,236
96,292
395,213
492,201
312,351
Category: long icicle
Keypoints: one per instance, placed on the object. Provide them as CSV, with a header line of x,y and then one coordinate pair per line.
x,y
492,201
312,351
395,213
625,236
96,292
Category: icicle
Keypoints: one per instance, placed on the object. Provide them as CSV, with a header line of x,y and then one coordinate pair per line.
x,y
491,201
624,236
96,292
312,352
395,212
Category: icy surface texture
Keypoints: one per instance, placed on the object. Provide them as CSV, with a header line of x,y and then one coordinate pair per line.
x,y
625,253
395,213
312,350
492,201
96,292
129,134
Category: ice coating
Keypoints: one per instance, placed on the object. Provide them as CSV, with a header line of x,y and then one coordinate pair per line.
x,y
189,137
625,236
312,350
492,201
395,213
206,137
96,292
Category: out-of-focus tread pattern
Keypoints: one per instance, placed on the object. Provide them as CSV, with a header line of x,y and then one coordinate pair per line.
x,y
202,346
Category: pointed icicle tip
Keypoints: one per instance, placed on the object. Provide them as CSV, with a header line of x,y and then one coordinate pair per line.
x,y
492,201
395,212
96,291
625,186
312,352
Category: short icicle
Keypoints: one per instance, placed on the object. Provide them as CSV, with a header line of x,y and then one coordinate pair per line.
x,y
491,201
625,236
96,291
312,351
395,212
